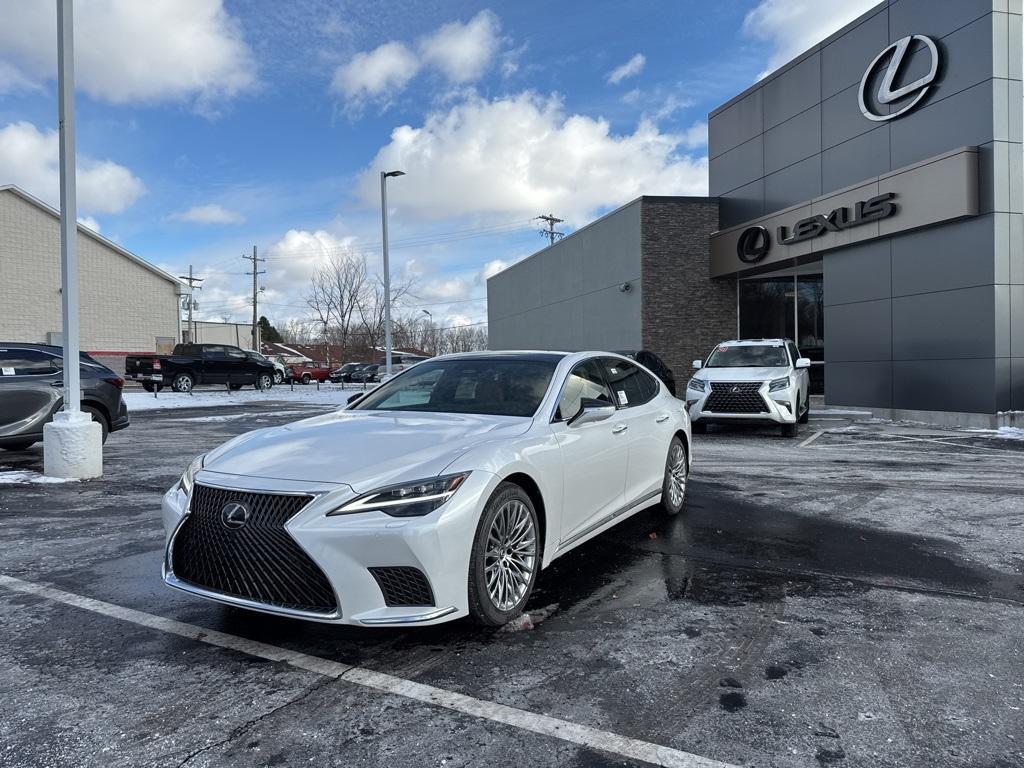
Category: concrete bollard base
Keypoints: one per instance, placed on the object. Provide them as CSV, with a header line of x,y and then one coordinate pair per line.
x,y
72,446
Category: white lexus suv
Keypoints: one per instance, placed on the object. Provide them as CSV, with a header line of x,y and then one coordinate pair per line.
x,y
751,380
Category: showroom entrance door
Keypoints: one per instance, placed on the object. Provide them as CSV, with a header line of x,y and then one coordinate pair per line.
x,y
788,305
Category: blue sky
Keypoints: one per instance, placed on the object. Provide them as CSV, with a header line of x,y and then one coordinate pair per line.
x,y
207,127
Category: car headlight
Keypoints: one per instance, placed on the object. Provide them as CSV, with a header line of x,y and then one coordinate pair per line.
x,y
779,384
696,384
405,500
189,475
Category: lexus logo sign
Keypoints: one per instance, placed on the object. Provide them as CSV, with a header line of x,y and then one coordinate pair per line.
x,y
894,58
753,244
234,515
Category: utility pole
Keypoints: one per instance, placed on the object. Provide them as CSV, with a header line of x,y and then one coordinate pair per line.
x,y
550,232
256,272
192,301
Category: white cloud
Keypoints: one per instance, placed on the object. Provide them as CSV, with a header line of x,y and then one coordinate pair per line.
x,y
462,52
443,289
212,213
90,222
293,258
130,51
696,136
29,158
793,26
385,69
631,68
523,155
491,268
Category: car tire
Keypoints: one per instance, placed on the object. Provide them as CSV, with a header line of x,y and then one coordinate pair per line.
x,y
19,446
183,383
698,427
806,415
278,377
264,381
677,471
508,510
788,430
306,378
100,419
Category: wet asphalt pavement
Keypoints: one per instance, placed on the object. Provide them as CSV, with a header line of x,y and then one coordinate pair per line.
x,y
857,600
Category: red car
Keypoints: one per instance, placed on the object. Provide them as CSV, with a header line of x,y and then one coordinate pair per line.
x,y
307,372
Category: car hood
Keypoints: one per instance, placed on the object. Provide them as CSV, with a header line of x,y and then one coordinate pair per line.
x,y
741,374
362,449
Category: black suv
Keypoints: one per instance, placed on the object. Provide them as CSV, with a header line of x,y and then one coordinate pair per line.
x,y
31,382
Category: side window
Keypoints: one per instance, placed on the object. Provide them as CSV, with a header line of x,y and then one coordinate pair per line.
x,y
27,362
630,385
585,380
793,351
212,352
235,353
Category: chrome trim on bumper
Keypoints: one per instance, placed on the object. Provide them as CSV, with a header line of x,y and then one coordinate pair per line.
x,y
411,619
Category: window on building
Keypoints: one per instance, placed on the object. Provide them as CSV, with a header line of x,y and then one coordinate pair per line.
x,y
766,308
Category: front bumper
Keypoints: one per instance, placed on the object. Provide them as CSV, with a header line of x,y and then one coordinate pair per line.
x,y
345,547
781,407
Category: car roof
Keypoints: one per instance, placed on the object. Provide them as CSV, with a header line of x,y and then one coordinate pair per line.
x,y
532,355
754,342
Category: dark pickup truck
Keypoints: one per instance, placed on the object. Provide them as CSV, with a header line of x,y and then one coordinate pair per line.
x,y
192,364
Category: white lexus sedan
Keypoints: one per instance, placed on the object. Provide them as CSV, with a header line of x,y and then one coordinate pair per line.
x,y
752,380
439,494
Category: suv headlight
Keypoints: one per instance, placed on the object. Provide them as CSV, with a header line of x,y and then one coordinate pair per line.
x,y
405,500
779,384
189,475
696,384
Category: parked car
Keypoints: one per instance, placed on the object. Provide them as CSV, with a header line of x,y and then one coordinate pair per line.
x,y
753,380
280,372
31,377
304,373
367,374
487,467
192,364
340,375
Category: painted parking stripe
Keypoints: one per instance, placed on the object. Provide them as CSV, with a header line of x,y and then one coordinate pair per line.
x,y
544,725
811,439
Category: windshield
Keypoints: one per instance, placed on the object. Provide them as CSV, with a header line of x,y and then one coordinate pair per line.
x,y
496,387
748,356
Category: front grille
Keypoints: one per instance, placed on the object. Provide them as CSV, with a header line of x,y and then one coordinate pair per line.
x,y
258,561
403,585
735,397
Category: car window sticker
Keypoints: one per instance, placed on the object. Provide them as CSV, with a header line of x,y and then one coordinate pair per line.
x,y
623,400
8,371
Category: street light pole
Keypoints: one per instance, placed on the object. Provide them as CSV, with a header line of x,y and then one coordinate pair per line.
x,y
384,175
72,442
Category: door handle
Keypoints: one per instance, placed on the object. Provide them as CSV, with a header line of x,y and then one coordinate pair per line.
x,y
661,419
618,429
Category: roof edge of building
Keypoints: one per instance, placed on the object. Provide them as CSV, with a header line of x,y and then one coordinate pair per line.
x,y
46,208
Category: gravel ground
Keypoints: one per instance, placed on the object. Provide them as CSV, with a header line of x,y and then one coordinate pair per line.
x,y
853,597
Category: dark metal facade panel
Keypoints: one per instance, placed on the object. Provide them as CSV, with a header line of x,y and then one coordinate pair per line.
x,y
793,184
864,155
858,273
936,18
737,167
798,91
843,61
793,141
733,126
945,325
963,120
858,332
864,384
967,386
742,204
944,258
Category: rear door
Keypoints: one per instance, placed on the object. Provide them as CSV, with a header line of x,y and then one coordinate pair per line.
x,y
240,367
648,422
30,390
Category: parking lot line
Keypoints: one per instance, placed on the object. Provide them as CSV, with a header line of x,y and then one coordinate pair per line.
x,y
565,730
811,439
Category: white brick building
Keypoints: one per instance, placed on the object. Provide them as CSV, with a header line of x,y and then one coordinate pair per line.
x,y
128,305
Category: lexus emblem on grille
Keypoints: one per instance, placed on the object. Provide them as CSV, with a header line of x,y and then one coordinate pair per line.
x,y
888,90
735,390
234,515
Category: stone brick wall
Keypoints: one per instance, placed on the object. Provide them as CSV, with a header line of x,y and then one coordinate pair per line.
x,y
685,313
124,306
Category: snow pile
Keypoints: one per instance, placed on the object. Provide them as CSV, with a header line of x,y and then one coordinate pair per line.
x,y
1010,433
22,476
218,398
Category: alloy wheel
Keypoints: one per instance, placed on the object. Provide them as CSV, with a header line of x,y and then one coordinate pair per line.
x,y
677,471
511,555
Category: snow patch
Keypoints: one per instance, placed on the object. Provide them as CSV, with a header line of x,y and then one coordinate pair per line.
x,y
219,398
22,476
1007,433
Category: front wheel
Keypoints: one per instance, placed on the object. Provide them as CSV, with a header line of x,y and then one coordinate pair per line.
x,y
278,377
100,419
306,378
264,381
677,470
788,430
505,558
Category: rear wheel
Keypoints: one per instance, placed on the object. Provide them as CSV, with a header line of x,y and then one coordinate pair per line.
x,y
306,378
183,382
98,417
677,470
278,377
506,557
788,430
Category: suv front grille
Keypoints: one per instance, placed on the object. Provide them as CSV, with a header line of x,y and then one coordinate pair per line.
x,y
403,585
735,397
256,561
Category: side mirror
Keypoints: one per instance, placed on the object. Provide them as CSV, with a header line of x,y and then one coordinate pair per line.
x,y
697,365
354,398
803,362
591,411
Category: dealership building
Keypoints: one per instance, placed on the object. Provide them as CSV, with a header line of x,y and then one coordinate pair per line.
x,y
865,200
